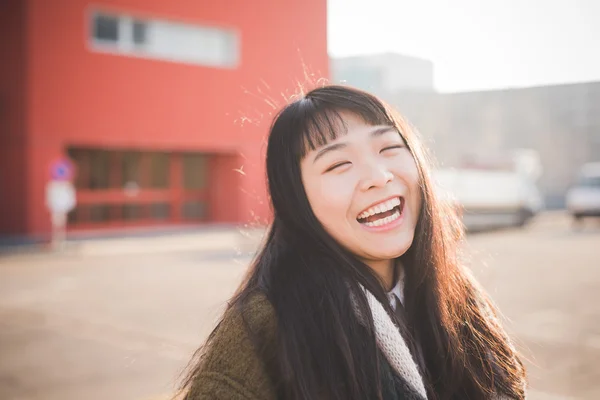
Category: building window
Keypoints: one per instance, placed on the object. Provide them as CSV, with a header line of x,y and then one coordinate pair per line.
x,y
195,167
139,33
160,167
133,187
106,28
160,211
99,213
132,212
193,210
130,169
99,177
165,40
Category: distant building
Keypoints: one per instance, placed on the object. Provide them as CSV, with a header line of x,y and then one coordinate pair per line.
x,y
383,73
560,122
157,103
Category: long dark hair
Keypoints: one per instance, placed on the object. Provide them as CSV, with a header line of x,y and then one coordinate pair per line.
x,y
322,350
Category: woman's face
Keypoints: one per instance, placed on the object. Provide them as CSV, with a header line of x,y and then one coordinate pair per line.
x,y
364,189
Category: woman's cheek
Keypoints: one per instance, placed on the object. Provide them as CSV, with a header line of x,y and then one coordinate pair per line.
x,y
336,193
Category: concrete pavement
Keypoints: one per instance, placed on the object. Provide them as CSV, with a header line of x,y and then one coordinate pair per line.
x,y
122,322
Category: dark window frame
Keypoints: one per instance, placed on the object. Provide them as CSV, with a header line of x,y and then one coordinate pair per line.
x,y
99,31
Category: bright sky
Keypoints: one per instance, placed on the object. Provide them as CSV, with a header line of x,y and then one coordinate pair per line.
x,y
476,44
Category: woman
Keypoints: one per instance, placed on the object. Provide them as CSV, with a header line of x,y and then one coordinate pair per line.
x,y
358,291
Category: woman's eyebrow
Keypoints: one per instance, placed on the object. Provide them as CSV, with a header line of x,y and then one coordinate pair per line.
x,y
338,146
327,149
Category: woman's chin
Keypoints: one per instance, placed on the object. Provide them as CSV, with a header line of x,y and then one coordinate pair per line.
x,y
387,253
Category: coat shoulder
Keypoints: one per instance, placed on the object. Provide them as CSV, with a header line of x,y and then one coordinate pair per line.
x,y
233,363
259,314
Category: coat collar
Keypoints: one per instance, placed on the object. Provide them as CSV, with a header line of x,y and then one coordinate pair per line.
x,y
397,292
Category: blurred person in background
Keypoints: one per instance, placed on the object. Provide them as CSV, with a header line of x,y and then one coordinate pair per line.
x,y
358,291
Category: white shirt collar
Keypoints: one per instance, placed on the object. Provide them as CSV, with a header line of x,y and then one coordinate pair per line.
x,y
398,290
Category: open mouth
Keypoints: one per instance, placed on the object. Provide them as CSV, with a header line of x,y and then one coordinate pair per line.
x,y
382,213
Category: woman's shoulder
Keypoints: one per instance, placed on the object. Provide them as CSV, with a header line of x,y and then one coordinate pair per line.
x,y
233,364
253,314
248,321
258,309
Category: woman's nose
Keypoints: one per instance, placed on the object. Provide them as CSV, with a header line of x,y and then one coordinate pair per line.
x,y
375,175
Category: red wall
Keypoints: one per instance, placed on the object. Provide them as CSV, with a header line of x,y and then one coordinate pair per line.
x,y
13,195
80,97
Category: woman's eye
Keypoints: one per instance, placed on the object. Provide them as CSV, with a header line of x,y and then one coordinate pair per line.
x,y
335,166
396,146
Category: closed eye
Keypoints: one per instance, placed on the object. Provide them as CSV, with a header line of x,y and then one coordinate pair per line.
x,y
396,146
335,166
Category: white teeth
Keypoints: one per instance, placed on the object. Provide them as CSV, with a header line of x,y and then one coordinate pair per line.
x,y
379,208
385,220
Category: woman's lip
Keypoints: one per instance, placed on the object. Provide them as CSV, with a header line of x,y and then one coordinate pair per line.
x,y
387,227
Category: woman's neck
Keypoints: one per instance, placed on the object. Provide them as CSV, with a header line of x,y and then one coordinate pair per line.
x,y
386,271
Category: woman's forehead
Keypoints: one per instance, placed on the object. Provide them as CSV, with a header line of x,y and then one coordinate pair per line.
x,y
332,126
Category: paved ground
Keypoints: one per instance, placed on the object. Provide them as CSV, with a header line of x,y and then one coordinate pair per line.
x,y
109,320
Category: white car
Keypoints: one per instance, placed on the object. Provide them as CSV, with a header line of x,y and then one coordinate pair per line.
x,y
583,199
490,199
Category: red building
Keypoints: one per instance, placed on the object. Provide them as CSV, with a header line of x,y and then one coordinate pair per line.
x,y
163,106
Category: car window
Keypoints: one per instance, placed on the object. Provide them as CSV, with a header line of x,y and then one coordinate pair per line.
x,y
589,181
